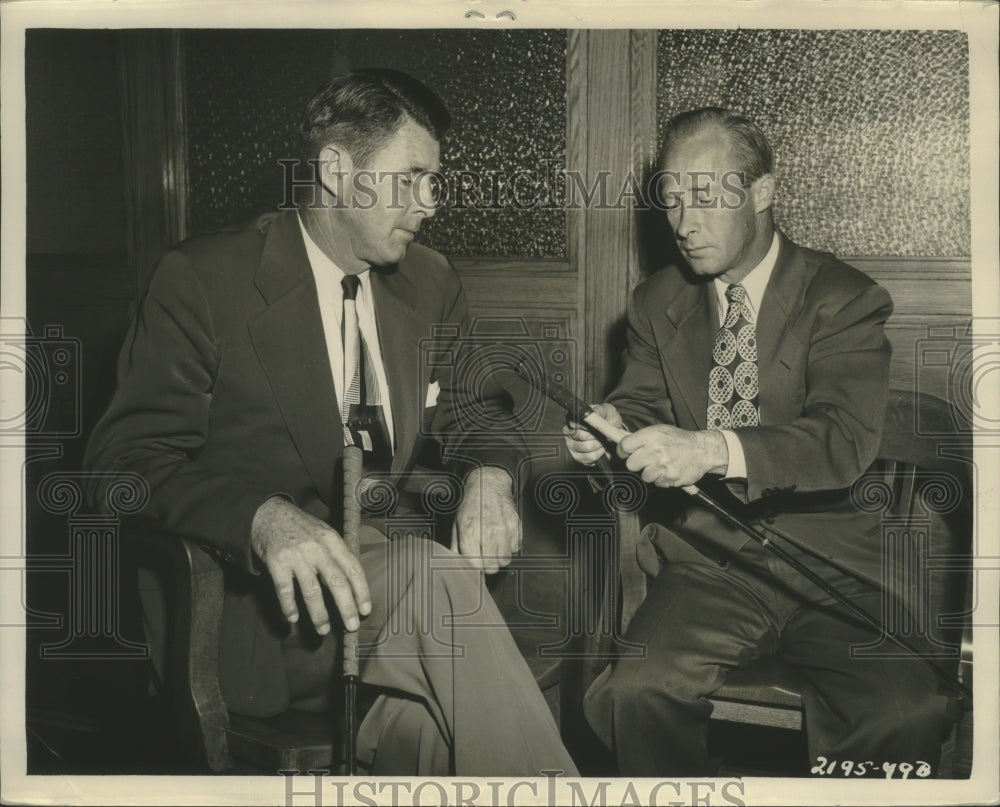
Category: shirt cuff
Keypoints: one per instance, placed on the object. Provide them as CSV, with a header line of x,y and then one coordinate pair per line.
x,y
737,468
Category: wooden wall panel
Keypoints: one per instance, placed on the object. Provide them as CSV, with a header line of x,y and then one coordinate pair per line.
x,y
532,305
922,286
536,293
932,299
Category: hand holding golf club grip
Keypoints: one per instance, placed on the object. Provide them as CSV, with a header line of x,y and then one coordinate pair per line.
x,y
579,411
615,435
600,425
352,537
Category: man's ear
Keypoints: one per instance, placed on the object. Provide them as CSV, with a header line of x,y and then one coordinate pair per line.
x,y
334,164
763,192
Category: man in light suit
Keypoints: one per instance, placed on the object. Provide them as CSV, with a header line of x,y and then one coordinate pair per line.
x,y
231,391
760,368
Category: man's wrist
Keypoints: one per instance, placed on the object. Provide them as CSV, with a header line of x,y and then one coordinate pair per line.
x,y
493,476
263,520
716,452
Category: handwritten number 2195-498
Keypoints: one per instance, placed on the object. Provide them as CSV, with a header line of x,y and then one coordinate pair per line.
x,y
889,770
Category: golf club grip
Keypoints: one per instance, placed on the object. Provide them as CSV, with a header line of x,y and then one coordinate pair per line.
x,y
352,537
615,434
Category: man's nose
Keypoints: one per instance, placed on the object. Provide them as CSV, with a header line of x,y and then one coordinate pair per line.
x,y
425,195
423,207
685,222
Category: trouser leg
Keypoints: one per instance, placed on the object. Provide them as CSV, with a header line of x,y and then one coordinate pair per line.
x,y
696,623
399,737
455,687
441,639
863,705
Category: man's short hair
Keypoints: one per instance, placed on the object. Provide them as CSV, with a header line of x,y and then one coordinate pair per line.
x,y
753,152
363,109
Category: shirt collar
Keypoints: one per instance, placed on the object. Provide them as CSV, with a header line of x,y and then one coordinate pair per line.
x,y
754,283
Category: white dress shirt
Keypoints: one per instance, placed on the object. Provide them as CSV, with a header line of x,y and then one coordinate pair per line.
x,y
331,308
754,284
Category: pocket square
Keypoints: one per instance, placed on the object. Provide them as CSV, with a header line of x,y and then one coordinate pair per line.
x,y
433,390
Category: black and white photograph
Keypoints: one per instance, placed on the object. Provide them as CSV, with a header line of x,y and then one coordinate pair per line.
x,y
500,403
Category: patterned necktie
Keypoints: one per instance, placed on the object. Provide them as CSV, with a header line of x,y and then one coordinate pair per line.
x,y
352,352
732,383
361,414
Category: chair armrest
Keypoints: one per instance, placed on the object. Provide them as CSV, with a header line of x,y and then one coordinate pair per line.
x,y
197,710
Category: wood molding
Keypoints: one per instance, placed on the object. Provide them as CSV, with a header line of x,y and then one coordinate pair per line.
x,y
155,145
576,119
609,124
888,266
485,266
577,70
644,45
922,288
930,295
518,284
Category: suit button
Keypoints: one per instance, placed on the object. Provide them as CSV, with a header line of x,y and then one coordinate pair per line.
x,y
723,563
770,519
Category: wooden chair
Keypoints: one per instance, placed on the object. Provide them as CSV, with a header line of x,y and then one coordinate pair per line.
x,y
205,731
921,483
192,583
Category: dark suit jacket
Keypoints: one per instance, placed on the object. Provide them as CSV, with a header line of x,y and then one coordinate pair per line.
x,y
824,368
225,398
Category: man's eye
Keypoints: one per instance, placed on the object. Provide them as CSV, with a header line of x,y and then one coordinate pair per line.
x,y
428,187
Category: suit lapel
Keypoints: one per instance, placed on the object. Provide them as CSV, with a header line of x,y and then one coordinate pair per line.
x,y
400,330
776,341
289,341
686,332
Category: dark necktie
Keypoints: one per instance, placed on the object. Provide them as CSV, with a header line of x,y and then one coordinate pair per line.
x,y
361,413
732,383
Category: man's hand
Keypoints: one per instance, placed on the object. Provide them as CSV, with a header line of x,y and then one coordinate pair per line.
x,y
295,546
487,527
583,446
669,457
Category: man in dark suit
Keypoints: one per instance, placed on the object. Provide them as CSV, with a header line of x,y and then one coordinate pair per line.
x,y
760,367
234,403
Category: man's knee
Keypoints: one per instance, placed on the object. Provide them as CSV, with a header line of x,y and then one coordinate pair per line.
x,y
437,583
630,686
